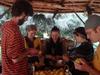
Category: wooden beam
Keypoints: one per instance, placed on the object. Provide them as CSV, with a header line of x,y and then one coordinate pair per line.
x,y
59,10
5,4
7,1
52,11
48,1
62,3
55,8
52,5
91,2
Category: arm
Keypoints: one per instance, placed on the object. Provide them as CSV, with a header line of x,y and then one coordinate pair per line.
x,y
15,48
93,71
83,66
24,55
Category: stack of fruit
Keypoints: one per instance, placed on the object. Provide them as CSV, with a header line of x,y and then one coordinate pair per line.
x,y
49,72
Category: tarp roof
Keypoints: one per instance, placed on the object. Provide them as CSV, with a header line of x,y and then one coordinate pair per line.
x,y
60,6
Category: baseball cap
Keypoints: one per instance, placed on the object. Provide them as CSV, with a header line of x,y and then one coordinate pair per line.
x,y
92,21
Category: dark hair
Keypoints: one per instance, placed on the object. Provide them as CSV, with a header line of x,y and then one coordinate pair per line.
x,y
80,31
21,6
31,27
55,29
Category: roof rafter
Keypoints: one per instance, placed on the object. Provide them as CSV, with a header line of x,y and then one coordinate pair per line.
x,y
63,6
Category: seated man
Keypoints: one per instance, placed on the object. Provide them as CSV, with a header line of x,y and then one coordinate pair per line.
x,y
54,48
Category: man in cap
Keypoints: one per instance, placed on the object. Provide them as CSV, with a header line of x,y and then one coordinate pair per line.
x,y
93,33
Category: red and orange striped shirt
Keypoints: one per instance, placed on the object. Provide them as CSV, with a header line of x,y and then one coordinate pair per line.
x,y
13,47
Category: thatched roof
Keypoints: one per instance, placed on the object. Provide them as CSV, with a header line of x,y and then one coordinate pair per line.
x,y
62,6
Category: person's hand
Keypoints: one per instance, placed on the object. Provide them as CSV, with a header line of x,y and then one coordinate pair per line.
x,y
81,64
50,57
58,57
65,58
40,53
33,52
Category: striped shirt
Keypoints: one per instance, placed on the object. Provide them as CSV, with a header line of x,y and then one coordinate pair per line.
x,y
13,47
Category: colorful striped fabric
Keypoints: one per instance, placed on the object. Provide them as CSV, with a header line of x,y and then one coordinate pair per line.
x,y
13,47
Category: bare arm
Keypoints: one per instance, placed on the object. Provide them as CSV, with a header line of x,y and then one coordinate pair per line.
x,y
83,66
93,71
